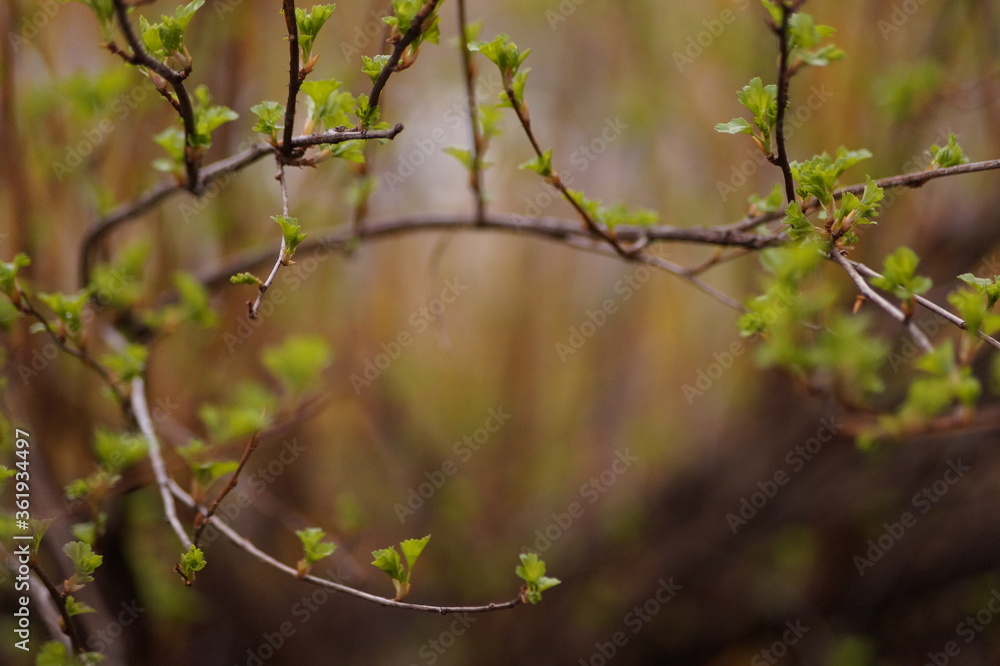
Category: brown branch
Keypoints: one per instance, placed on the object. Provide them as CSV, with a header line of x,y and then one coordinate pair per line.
x,y
248,546
397,51
478,145
210,174
201,518
140,57
295,75
68,625
784,78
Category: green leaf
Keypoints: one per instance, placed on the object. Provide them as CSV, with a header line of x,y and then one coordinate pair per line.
x,y
74,607
504,54
68,309
771,204
818,176
246,278
171,140
128,363
9,271
244,416
292,235
804,37
270,119
54,653
85,562
542,164
297,362
191,561
314,548
532,571
799,226
373,66
388,560
309,26
989,287
735,126
899,275
949,155
194,304
762,102
118,451
412,548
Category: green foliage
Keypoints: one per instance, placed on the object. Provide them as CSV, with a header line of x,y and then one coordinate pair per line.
x,y
85,562
532,571
762,102
772,203
117,284
389,561
404,13
270,119
244,416
74,607
54,653
194,306
309,26
616,214
368,115
68,311
117,451
899,275
988,287
247,278
818,176
297,362
804,37
508,58
291,233
906,90
949,155
542,164
204,470
191,562
975,302
8,276
373,66
853,211
208,118
126,364
166,38
313,547
171,140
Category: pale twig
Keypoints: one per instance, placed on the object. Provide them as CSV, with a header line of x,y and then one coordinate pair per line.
x,y
248,546
865,289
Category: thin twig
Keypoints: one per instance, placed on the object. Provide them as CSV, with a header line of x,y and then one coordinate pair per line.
x,y
201,518
245,544
933,307
469,70
397,52
210,174
141,410
784,78
878,299
264,286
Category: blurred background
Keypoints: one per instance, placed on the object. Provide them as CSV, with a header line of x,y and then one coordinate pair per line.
x,y
697,509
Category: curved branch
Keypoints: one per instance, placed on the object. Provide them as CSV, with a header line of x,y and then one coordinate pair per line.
x,y
245,544
397,51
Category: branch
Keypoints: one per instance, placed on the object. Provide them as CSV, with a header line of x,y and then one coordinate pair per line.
x,y
201,517
295,75
245,544
469,69
933,307
141,410
141,57
784,78
397,51
67,624
211,173
894,312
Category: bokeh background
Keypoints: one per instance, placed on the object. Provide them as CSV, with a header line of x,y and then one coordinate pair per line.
x,y
661,74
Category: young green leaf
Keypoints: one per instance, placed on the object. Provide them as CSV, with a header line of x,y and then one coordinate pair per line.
x,y
128,363
192,561
373,66
899,275
74,607
292,234
949,155
85,562
532,571
309,26
297,362
246,278
270,119
314,548
542,164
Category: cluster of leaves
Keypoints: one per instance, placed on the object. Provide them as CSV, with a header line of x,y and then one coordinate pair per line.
x,y
207,118
404,15
532,572
389,561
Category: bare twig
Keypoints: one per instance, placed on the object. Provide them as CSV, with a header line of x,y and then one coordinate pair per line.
x,y
469,70
141,410
878,299
210,174
248,546
201,518
264,286
933,307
